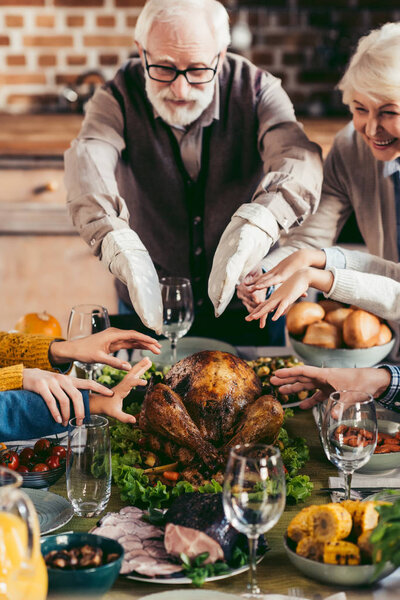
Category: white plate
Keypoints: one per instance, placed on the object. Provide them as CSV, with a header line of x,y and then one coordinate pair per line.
x,y
187,581
187,346
53,510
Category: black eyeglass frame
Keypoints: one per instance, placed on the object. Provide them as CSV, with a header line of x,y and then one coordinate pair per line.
x,y
181,71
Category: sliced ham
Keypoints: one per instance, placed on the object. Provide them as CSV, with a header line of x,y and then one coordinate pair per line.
x,y
111,531
178,539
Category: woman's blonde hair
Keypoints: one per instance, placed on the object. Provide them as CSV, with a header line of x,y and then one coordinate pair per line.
x,y
374,69
169,11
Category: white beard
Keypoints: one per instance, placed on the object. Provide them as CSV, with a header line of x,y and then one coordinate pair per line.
x,y
179,116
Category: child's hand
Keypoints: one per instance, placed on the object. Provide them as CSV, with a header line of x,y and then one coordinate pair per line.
x,y
113,406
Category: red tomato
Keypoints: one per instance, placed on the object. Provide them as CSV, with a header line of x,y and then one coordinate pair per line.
x,y
42,447
23,469
40,467
59,451
10,460
53,462
26,455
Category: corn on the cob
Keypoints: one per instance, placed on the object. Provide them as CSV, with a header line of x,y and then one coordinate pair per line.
x,y
365,546
365,517
310,548
351,506
341,553
298,526
329,522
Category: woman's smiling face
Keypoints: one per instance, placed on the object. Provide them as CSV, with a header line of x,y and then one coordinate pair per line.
x,y
379,124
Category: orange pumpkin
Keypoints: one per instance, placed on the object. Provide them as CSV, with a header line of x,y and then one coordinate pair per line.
x,y
39,323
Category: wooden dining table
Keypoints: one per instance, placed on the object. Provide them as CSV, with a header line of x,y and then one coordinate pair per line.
x,y
275,572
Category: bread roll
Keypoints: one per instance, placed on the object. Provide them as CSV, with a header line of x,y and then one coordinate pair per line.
x,y
323,334
361,329
336,317
302,314
385,335
329,305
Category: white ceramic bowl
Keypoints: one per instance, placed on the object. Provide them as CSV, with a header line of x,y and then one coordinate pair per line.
x,y
381,463
344,575
341,357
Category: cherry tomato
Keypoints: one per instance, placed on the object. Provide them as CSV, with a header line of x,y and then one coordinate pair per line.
x,y
23,469
53,462
59,451
42,447
26,455
10,460
40,467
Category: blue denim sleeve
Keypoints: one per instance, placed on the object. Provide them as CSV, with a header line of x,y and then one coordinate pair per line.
x,y
391,397
24,415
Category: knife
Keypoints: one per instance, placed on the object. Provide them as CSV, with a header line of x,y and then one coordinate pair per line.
x,y
357,489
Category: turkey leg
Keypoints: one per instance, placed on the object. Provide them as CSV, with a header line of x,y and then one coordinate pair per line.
x,y
260,422
163,411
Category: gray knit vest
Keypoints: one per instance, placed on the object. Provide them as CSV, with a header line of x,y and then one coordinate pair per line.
x,y
180,221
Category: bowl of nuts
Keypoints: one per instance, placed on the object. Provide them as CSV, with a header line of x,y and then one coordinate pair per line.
x,y
81,563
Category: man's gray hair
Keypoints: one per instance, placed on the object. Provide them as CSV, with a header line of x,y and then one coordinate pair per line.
x,y
374,69
169,11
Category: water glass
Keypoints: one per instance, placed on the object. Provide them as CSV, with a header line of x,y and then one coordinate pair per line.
x,y
254,497
89,465
349,432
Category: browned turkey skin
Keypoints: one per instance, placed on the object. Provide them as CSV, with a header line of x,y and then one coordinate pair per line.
x,y
208,402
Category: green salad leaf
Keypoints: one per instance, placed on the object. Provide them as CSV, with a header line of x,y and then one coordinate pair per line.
x,y
385,538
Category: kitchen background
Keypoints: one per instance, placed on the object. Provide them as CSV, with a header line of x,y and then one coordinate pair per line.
x,y
53,54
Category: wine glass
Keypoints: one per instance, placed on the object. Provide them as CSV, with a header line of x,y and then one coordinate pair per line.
x,y
84,320
178,312
349,432
254,497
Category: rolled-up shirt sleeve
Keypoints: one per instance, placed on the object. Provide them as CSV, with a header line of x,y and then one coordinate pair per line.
x,y
93,199
391,397
291,186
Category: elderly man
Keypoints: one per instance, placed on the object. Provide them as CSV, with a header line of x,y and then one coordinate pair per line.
x,y
189,162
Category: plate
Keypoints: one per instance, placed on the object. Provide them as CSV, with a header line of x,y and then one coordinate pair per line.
x,y
189,594
187,581
382,463
186,347
345,575
53,510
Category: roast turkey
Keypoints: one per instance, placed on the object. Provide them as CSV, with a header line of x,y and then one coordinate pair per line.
x,y
208,402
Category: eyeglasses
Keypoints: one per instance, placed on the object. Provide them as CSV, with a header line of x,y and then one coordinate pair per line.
x,y
194,76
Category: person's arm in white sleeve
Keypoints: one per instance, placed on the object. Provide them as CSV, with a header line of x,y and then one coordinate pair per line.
x,y
321,229
100,214
288,192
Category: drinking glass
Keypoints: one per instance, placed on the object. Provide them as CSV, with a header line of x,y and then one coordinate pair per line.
x,y
84,320
349,432
254,497
178,312
89,465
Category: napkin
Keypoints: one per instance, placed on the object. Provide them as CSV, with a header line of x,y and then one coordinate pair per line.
x,y
364,481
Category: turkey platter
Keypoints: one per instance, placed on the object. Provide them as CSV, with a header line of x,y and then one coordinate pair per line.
x,y
208,402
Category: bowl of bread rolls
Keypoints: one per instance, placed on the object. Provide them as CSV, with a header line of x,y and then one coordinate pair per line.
x,y
328,333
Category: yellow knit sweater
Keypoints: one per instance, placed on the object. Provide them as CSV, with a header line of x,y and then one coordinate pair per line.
x,y
19,350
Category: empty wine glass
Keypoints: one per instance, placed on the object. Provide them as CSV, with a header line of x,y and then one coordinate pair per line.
x,y
349,432
84,320
254,497
178,312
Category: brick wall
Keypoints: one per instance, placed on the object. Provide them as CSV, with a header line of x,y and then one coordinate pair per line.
x,y
46,44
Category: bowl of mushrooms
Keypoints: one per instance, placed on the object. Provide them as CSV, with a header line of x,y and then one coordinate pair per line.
x,y
81,563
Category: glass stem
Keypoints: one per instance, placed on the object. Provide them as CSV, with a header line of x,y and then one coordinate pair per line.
x,y
252,586
347,485
90,372
174,342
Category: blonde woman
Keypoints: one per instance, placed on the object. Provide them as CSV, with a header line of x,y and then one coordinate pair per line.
x,y
361,174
